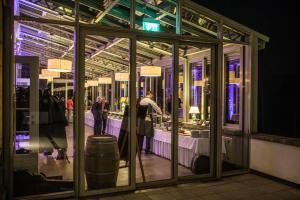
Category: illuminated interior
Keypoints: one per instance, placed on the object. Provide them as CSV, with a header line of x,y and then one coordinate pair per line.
x,y
181,71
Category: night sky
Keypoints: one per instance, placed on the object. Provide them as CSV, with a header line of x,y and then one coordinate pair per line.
x,y
278,104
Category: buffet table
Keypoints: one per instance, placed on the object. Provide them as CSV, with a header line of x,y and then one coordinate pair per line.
x,y
188,146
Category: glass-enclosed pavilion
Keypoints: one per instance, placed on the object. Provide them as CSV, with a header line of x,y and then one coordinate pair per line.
x,y
61,57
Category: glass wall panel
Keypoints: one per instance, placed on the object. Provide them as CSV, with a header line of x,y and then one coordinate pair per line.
x,y
50,9
194,139
235,140
109,12
43,159
156,16
154,108
107,124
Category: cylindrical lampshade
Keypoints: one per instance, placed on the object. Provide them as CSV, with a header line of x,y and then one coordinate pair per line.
x,y
123,76
47,78
194,110
104,80
151,71
86,85
59,65
92,82
49,74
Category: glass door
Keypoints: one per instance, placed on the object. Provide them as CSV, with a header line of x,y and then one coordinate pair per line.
x,y
154,62
235,123
104,107
44,136
43,159
195,137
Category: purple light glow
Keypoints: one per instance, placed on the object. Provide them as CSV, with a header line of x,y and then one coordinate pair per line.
x,y
230,100
233,90
196,90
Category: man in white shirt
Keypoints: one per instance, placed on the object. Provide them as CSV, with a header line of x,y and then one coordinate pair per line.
x,y
145,126
148,100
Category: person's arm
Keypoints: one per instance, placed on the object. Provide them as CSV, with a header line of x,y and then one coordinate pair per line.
x,y
155,106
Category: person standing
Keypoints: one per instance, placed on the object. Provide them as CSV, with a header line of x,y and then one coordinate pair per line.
x,y
145,120
70,107
104,108
97,114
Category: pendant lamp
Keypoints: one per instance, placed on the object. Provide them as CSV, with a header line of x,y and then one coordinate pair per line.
x,y
104,80
122,76
151,71
45,73
59,65
92,82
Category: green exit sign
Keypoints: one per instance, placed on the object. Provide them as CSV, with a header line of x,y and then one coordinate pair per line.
x,y
151,25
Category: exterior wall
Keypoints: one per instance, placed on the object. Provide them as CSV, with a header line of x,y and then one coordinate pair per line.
x,y
275,159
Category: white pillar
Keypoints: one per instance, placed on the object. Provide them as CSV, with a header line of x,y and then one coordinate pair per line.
x,y
186,90
52,87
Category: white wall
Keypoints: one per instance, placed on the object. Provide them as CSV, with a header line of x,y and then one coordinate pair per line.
x,y
279,160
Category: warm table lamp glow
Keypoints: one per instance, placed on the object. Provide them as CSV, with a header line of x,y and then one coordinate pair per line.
x,y
194,110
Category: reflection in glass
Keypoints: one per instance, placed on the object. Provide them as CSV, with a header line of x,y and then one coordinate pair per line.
x,y
233,91
43,159
194,136
235,141
107,125
154,108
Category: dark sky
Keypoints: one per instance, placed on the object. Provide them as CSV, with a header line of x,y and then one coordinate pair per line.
x,y
278,102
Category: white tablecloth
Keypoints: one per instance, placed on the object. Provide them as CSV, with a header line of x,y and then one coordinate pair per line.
x,y
188,146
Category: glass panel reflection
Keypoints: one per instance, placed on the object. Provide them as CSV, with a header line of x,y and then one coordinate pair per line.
x,y
154,108
194,156
43,159
235,141
107,125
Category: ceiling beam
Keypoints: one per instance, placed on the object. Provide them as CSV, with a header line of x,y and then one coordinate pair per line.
x,y
102,14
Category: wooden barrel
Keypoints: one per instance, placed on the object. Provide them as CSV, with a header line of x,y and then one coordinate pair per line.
x,y
101,162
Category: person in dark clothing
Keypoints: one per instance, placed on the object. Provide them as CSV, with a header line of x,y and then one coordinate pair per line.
x,y
46,121
52,125
104,108
59,137
169,105
145,120
97,114
179,103
124,136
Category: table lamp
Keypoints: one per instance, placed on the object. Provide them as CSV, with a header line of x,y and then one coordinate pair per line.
x,y
194,110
